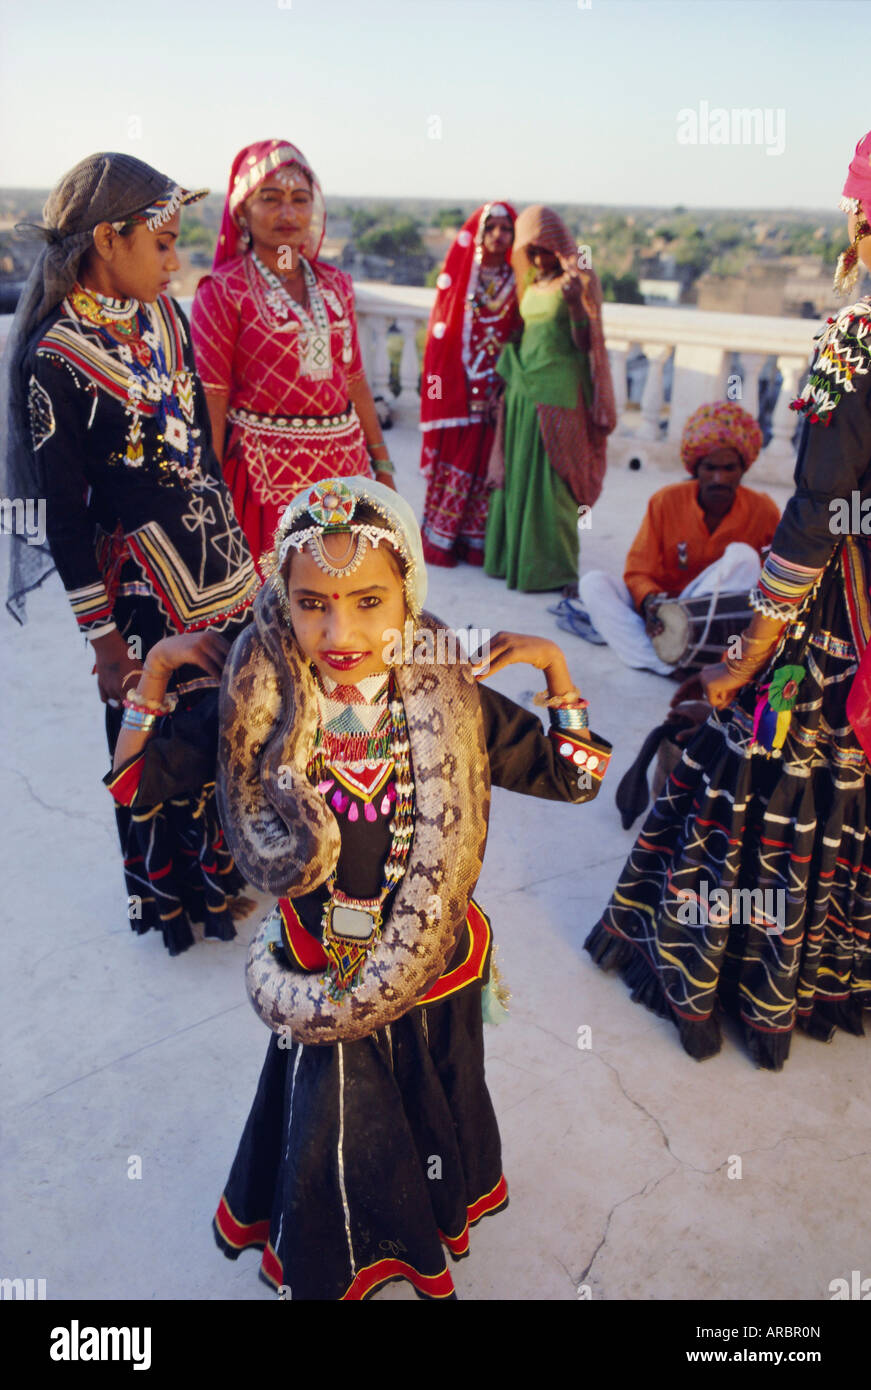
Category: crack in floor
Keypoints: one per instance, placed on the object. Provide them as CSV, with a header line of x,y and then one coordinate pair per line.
x,y
652,1184
77,815
649,1186
557,1037
685,1162
523,1099
570,874
146,1047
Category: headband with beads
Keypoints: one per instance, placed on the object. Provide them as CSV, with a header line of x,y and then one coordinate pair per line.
x,y
162,209
331,505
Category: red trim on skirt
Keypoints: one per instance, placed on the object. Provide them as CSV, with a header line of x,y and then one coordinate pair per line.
x,y
368,1280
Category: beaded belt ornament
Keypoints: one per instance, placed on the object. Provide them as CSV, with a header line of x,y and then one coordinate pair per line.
x,y
293,424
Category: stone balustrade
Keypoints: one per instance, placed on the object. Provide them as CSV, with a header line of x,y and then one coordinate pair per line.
x,y
688,357
691,357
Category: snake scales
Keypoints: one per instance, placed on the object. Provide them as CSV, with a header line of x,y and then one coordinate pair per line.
x,y
286,840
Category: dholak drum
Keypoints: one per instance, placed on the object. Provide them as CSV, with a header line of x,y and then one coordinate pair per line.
x,y
696,630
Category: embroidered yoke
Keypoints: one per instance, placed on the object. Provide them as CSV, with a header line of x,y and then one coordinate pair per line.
x,y
284,429
135,505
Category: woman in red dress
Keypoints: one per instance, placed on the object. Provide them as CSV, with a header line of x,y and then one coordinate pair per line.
x,y
474,314
276,343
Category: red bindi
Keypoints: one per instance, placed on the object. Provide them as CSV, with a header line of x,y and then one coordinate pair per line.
x,y
335,595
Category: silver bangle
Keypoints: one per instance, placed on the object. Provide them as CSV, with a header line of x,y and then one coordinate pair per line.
x,y
139,721
569,717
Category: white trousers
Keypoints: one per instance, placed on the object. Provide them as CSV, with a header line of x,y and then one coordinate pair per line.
x,y
609,603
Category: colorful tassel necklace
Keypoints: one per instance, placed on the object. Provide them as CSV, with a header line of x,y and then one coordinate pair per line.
x,y
351,926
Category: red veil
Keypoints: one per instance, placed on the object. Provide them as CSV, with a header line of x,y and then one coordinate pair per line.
x,y
447,343
250,168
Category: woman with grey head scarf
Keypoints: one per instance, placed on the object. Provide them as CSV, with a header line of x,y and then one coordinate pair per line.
x,y
103,188
107,432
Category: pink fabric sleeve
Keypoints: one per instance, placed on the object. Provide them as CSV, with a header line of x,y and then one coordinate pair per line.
x,y
214,328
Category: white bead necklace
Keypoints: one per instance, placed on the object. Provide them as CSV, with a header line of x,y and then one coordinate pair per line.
x,y
316,359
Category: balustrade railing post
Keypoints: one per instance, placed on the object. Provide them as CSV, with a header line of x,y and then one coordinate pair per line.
x,y
784,420
618,352
652,395
751,369
380,377
699,376
408,402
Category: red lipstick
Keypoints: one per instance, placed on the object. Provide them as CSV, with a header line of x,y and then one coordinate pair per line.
x,y
343,661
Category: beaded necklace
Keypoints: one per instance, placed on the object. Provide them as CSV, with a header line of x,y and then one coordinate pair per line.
x,y
489,294
172,392
151,378
316,359
351,926
106,312
493,289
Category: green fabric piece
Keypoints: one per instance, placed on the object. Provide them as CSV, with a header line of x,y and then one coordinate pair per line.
x,y
493,1011
532,525
545,366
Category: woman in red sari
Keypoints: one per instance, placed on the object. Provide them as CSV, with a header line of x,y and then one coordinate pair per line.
x,y
474,314
275,337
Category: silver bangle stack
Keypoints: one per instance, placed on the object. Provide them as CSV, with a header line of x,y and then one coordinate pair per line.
x,y
140,720
140,714
569,717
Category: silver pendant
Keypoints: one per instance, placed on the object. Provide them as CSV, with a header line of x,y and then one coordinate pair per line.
x,y
316,359
353,922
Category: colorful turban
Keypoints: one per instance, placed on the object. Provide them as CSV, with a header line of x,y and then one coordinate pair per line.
x,y
721,425
857,188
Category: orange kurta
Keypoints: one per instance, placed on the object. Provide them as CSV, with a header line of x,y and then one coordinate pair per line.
x,y
674,545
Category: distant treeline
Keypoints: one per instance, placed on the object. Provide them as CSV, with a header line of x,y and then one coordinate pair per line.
x,y
627,244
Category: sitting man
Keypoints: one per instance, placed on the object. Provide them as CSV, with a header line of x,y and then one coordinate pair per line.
x,y
696,537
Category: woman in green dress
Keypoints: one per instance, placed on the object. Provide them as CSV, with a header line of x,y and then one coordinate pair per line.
x,y
548,463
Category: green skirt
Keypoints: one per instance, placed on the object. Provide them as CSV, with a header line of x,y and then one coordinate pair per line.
x,y
532,525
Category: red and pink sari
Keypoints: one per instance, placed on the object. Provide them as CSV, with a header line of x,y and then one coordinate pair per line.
x,y
474,314
284,430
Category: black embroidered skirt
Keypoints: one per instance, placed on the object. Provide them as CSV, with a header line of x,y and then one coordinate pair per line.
x,y
793,828
177,867
362,1162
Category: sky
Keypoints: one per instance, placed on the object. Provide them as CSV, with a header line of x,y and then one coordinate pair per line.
x,y
583,101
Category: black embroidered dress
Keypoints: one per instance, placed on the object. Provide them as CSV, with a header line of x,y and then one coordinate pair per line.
x,y
362,1162
793,826
142,532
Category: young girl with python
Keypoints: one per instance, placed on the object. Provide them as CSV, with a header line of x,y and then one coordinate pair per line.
x,y
357,792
